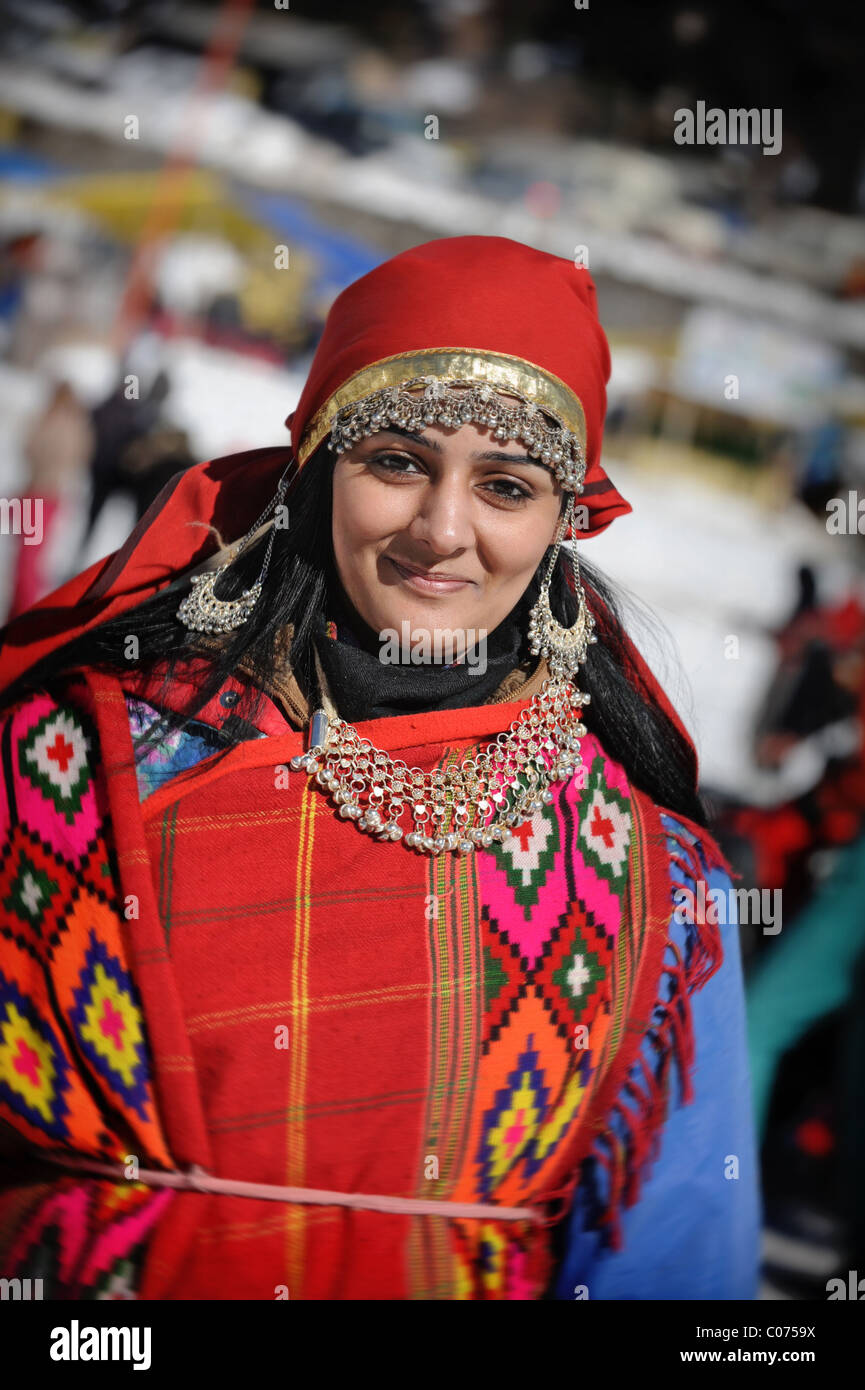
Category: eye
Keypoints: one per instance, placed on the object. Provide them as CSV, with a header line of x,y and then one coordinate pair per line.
x,y
514,496
392,463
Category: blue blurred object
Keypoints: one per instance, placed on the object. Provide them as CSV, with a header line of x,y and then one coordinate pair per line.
x,y
16,164
340,258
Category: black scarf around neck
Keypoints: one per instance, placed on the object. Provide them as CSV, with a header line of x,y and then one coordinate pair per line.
x,y
364,687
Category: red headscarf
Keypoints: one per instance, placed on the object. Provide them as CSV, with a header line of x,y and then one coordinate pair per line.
x,y
465,295
533,314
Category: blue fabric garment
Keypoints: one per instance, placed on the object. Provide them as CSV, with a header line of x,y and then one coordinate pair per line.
x,y
694,1233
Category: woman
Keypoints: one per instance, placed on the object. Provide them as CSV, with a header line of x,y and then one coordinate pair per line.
x,y
373,972
57,452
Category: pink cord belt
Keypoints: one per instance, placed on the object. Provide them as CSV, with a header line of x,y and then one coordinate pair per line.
x,y
195,1179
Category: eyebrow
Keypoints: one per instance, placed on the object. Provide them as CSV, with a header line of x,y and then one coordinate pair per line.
x,y
493,456
487,456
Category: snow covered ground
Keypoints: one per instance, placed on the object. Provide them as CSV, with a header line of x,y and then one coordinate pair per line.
x,y
717,573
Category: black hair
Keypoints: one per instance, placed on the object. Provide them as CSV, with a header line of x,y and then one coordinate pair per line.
x,y
624,713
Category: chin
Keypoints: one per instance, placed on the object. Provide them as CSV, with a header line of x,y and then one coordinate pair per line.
x,y
434,613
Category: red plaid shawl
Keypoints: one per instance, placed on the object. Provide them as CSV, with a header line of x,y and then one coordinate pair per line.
x,y
228,975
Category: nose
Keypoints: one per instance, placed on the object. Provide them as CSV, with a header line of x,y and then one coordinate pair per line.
x,y
443,518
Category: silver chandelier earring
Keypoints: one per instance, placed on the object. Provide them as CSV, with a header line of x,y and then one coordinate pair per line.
x,y
564,647
201,610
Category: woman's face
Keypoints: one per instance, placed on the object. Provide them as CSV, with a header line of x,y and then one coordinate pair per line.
x,y
454,503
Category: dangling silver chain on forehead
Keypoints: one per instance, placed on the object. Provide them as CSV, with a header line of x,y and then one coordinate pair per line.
x,y
457,402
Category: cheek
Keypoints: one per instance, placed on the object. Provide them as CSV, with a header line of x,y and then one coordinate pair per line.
x,y
356,524
366,517
529,555
513,554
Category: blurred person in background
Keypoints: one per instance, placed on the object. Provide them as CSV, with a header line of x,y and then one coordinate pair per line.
x,y
821,452
18,253
149,462
379,1008
119,422
57,453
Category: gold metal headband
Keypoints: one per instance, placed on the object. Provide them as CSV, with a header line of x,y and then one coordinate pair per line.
x,y
380,394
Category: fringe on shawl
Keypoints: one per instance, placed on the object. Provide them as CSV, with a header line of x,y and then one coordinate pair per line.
x,y
629,1142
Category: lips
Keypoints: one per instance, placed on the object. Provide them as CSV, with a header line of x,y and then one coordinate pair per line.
x,y
430,574
426,578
